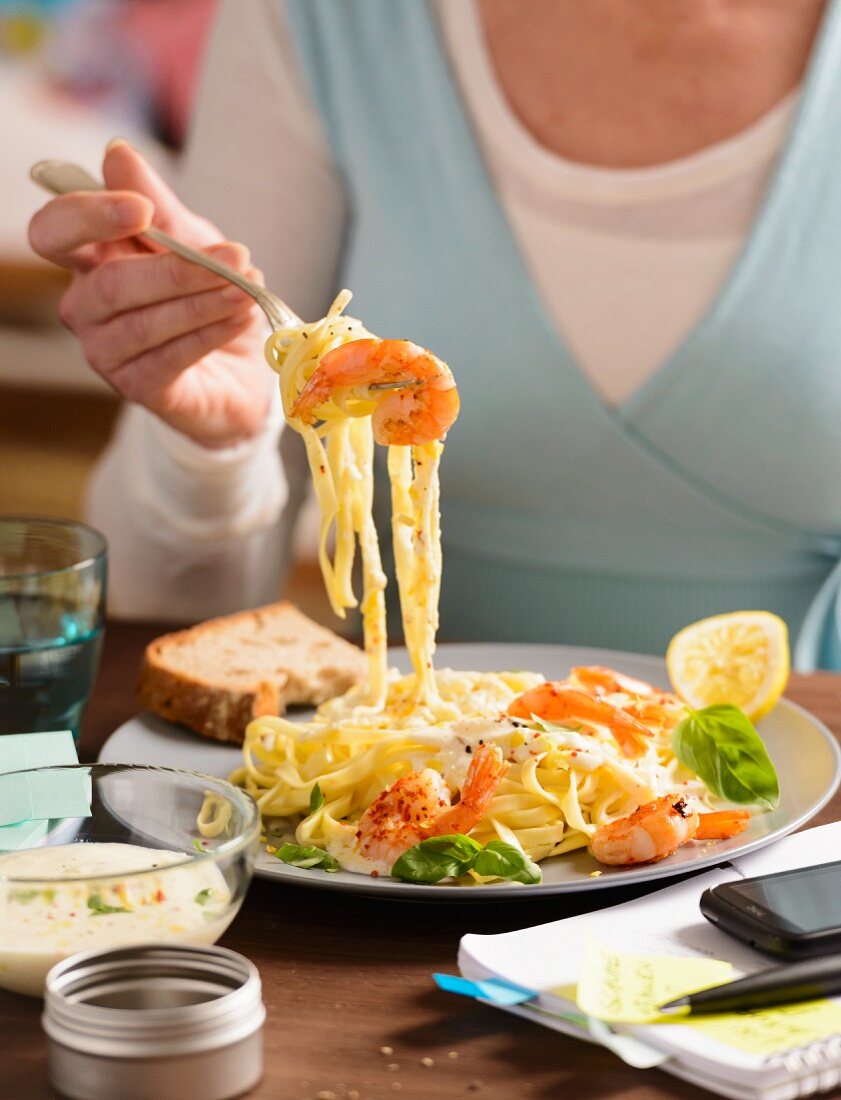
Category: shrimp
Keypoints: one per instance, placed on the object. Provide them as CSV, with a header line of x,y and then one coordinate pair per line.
x,y
650,833
649,705
418,412
659,828
606,681
722,824
418,806
557,702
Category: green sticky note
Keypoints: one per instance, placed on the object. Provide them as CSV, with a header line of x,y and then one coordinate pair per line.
x,y
43,794
19,751
40,794
26,834
621,988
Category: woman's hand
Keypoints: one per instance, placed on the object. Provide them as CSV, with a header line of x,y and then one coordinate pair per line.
x,y
163,332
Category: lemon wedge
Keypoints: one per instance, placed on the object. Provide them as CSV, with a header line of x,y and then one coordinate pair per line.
x,y
741,658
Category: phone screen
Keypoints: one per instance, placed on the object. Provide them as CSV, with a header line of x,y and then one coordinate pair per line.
x,y
808,900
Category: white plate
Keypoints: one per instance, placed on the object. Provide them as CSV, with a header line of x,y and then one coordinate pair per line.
x,y
805,753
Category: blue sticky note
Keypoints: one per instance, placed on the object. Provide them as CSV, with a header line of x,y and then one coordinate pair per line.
x,y
490,989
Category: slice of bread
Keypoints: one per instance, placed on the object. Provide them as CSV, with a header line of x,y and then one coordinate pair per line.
x,y
219,675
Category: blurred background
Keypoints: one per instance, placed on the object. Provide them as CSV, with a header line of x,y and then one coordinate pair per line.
x,y
73,74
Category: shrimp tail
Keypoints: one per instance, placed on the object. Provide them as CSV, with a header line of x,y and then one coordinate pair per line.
x,y
484,775
722,824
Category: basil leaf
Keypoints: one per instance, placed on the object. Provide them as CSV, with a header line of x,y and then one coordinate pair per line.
x,y
306,856
436,858
316,799
451,856
720,744
502,860
203,896
98,907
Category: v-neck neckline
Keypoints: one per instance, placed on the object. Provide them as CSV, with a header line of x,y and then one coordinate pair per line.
x,y
743,270
467,46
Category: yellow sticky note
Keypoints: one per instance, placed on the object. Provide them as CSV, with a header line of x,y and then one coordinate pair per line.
x,y
622,988
772,1030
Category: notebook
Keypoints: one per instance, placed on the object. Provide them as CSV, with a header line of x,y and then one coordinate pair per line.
x,y
778,1054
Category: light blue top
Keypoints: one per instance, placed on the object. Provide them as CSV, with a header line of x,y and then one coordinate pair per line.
x,y
716,487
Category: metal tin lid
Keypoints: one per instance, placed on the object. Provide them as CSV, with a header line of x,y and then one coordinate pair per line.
x,y
152,1001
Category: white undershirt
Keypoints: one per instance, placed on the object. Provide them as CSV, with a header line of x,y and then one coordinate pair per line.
x,y
625,263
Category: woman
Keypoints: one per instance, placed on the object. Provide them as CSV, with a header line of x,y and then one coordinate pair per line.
x,y
618,221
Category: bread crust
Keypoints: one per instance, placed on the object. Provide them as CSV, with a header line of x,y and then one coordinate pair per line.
x,y
329,666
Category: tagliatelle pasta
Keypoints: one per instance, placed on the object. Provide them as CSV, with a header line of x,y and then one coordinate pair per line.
x,y
340,455
561,784
340,451
316,779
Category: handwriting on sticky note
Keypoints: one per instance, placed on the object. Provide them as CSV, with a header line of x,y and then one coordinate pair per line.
x,y
622,988
772,1030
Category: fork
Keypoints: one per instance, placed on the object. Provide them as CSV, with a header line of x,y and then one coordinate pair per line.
x,y
59,177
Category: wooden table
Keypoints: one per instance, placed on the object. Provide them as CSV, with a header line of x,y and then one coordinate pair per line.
x,y
352,1010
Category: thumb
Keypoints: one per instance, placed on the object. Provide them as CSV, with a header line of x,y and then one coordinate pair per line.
x,y
124,169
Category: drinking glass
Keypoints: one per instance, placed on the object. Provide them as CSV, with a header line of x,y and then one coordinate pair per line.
x,y
52,607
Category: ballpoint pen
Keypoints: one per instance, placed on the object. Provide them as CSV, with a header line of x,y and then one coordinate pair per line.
x,y
779,985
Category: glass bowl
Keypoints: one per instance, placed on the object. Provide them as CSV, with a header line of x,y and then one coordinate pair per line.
x,y
153,855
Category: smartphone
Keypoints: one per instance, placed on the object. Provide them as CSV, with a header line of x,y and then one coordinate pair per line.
x,y
792,914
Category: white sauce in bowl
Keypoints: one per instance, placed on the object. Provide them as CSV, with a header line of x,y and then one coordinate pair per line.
x,y
41,925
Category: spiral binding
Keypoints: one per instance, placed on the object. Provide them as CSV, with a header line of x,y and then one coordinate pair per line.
x,y
813,1068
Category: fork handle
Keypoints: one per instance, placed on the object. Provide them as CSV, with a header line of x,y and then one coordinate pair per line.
x,y
59,177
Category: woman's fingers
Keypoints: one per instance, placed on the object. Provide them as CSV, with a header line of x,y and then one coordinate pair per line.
x,y
63,230
133,282
124,169
147,378
129,335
